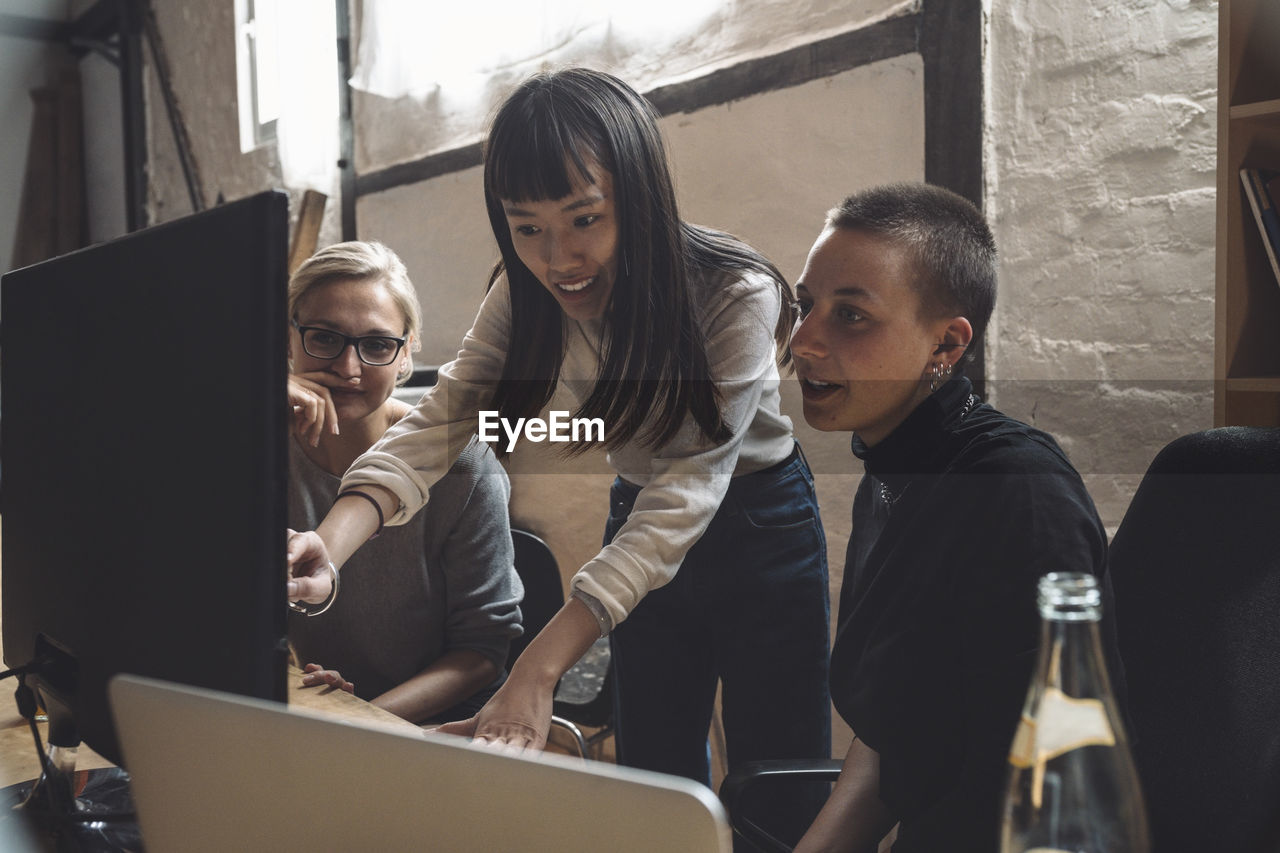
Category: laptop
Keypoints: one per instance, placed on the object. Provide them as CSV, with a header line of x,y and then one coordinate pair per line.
x,y
215,772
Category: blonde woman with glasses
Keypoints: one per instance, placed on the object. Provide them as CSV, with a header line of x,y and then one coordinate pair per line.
x,y
422,627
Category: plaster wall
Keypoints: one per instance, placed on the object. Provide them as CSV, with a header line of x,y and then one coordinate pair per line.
x,y
199,40
1101,163
768,168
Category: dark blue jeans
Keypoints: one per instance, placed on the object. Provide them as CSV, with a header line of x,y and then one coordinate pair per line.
x,y
748,608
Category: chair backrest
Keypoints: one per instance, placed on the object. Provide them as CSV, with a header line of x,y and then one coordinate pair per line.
x,y
543,592
1195,567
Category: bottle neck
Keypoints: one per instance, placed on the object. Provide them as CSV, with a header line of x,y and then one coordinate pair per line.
x,y
1071,658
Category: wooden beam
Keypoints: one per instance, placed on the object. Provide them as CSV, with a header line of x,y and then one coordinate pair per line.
x,y
72,214
128,26
346,124
951,43
951,36
834,55
306,231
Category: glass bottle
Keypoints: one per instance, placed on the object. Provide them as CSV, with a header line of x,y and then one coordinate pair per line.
x,y
1073,787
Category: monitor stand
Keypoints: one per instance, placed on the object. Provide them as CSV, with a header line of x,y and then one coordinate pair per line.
x,y
67,810
103,793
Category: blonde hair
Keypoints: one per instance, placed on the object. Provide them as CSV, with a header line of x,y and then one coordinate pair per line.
x,y
363,261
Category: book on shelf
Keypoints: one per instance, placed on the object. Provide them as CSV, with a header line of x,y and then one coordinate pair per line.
x,y
1260,187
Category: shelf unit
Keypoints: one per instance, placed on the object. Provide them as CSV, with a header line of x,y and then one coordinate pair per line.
x,y
1247,315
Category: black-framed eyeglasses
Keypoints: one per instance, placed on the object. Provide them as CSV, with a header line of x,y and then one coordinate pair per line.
x,y
374,350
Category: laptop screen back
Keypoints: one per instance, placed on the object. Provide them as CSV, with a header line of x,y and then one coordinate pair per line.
x,y
218,772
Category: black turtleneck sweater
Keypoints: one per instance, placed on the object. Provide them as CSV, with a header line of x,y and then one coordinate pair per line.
x,y
962,510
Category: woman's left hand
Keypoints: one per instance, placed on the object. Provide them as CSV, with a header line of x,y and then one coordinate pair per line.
x,y
517,718
317,676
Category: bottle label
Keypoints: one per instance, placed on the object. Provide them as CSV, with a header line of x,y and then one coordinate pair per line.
x,y
1062,724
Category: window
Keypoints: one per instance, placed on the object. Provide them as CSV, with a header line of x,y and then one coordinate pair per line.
x,y
288,85
455,50
257,72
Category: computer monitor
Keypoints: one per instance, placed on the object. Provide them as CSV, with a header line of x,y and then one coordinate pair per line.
x,y
143,464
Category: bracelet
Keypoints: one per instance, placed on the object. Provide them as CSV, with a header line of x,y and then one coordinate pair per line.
x,y
307,609
603,620
377,507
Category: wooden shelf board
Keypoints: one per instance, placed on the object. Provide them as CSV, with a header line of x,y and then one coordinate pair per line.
x,y
1261,384
1257,109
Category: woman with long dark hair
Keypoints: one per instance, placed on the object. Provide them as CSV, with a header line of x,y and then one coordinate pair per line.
x,y
714,566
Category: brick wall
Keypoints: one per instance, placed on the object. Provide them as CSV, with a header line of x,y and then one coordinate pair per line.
x,y
1100,137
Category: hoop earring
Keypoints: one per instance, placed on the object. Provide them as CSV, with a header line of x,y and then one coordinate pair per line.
x,y
937,375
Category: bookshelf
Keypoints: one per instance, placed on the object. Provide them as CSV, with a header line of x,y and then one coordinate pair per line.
x,y
1247,314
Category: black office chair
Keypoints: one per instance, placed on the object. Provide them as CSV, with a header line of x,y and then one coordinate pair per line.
x,y
590,703
750,779
1195,567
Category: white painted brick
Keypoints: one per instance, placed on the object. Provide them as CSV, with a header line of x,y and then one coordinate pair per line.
x,y
1102,159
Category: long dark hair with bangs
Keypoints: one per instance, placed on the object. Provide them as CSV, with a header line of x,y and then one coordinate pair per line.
x,y
654,368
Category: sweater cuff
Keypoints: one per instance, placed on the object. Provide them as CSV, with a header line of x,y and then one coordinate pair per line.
x,y
597,610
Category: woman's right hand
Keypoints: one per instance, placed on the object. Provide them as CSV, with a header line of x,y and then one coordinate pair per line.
x,y
308,560
312,405
516,718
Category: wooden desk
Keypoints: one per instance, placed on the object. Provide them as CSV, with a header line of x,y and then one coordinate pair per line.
x,y
19,762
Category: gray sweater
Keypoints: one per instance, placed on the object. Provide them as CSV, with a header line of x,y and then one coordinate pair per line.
x,y
444,581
